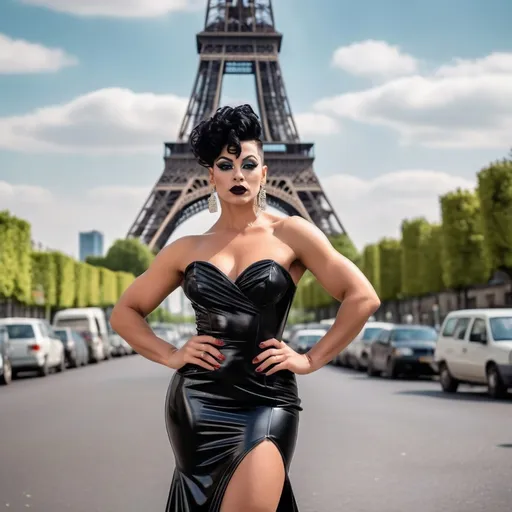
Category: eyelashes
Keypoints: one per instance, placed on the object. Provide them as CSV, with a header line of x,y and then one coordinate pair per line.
x,y
228,167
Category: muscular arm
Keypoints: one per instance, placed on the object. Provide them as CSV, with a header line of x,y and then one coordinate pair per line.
x,y
341,279
144,295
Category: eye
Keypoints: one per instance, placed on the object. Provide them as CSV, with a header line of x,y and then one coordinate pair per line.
x,y
250,165
224,166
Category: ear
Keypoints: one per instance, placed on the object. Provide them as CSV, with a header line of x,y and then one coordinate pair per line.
x,y
264,170
210,176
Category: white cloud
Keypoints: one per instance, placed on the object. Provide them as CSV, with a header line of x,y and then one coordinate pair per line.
x,y
103,121
374,59
467,104
373,208
312,123
118,8
18,57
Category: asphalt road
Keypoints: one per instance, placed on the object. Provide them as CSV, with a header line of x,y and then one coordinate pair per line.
x,y
94,439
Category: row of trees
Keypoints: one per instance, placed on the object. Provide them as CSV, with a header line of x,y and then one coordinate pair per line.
x,y
473,240
52,279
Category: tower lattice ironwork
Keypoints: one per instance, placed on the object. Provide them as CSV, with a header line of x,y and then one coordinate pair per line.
x,y
239,37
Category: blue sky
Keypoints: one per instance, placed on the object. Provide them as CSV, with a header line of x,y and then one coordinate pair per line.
x,y
404,101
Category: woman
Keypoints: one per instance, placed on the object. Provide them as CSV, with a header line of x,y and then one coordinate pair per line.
x,y
232,406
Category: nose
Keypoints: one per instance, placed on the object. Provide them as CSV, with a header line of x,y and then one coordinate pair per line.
x,y
237,173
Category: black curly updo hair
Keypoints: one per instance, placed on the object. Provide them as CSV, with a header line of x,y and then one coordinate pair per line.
x,y
229,126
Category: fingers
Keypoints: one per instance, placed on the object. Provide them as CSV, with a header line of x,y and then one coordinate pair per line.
x,y
272,342
278,367
264,355
201,362
204,344
273,359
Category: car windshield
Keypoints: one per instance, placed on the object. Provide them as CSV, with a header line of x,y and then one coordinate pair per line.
x,y
309,339
426,334
370,333
20,331
501,328
61,334
80,324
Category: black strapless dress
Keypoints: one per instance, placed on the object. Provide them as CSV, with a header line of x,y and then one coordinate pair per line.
x,y
214,418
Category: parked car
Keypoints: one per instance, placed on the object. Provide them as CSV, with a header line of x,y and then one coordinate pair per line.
x,y
307,338
356,354
91,323
34,346
75,347
403,349
475,347
5,357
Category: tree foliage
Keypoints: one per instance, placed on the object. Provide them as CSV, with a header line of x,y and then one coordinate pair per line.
x,y
495,195
81,293
371,266
430,267
465,260
412,232
23,272
93,285
8,263
128,255
108,287
124,279
390,256
44,277
66,286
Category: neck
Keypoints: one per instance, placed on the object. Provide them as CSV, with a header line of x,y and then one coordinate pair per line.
x,y
236,218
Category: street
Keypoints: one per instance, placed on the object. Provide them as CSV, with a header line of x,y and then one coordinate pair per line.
x,y
94,439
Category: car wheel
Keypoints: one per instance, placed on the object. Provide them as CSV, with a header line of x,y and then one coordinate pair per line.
x,y
448,383
6,376
370,370
494,383
391,372
44,370
62,365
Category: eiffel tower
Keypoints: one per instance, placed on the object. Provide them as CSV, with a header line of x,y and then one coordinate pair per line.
x,y
239,37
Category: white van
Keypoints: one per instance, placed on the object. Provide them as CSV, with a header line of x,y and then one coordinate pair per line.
x,y
475,347
91,323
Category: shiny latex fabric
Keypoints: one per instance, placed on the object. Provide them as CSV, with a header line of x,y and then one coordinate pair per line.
x,y
214,418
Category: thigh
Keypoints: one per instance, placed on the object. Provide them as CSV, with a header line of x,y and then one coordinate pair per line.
x,y
257,483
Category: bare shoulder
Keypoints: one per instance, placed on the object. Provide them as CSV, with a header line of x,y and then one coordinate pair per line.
x,y
302,236
336,273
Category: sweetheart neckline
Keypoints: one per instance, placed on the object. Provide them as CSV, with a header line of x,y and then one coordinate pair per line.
x,y
246,269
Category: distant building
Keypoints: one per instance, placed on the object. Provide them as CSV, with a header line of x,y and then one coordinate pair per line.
x,y
91,244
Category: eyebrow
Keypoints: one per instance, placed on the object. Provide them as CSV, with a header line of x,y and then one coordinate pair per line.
x,y
229,159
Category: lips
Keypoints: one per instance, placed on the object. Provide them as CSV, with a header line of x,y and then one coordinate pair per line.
x,y
238,190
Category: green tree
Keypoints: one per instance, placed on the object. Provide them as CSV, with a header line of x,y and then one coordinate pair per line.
x,y
8,264
44,277
93,285
82,286
95,261
66,287
108,287
431,267
412,232
124,279
495,195
390,256
465,260
23,271
371,265
128,255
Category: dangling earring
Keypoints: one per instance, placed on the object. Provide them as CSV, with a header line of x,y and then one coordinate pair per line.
x,y
212,202
262,197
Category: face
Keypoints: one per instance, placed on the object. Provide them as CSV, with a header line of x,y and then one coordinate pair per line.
x,y
238,180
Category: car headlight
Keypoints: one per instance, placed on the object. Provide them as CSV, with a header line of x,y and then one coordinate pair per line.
x,y
405,351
